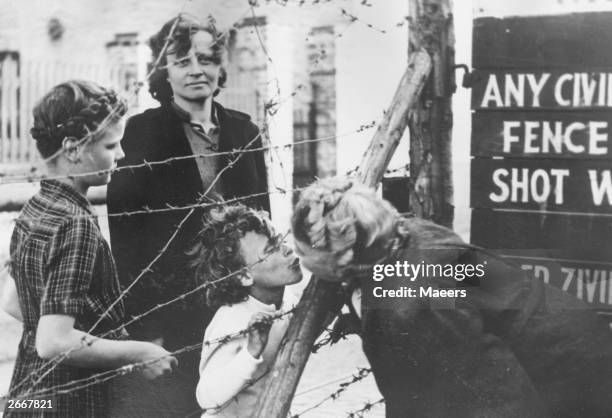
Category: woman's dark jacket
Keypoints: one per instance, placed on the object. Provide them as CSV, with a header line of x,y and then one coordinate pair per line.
x,y
136,240
512,347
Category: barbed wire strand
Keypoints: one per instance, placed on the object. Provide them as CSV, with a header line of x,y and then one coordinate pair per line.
x,y
104,123
354,18
171,208
192,207
147,269
179,226
167,161
283,191
54,362
227,202
269,105
192,291
360,413
106,120
180,297
361,374
263,47
150,265
135,86
154,67
129,368
322,385
350,16
84,342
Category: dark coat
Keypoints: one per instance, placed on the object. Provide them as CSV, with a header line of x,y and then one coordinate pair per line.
x,y
156,135
513,347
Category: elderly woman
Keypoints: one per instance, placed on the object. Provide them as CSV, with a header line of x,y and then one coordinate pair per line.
x,y
449,329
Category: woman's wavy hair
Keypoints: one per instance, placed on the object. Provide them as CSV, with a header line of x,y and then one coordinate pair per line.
x,y
344,217
175,38
75,109
216,252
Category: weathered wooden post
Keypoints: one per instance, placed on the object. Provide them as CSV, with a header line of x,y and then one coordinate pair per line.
x,y
431,28
319,296
431,32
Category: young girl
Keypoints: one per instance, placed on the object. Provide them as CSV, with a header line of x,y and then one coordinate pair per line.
x,y
64,273
231,372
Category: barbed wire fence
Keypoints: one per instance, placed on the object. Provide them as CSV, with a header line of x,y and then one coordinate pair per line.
x,y
360,413
32,176
200,203
8,179
105,376
361,374
56,361
52,363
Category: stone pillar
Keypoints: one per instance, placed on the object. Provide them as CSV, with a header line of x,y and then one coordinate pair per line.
x,y
280,43
321,65
369,66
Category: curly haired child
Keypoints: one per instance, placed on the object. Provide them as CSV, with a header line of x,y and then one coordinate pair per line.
x,y
239,239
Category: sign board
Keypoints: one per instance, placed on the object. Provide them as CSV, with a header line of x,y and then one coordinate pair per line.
x,y
483,8
541,172
540,134
542,184
591,282
568,236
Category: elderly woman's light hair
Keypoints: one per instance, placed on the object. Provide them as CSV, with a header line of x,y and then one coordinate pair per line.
x,y
345,217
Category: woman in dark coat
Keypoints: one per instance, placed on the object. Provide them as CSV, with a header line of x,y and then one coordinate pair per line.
x,y
189,58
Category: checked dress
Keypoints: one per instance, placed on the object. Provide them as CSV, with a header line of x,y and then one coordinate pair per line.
x,y
61,265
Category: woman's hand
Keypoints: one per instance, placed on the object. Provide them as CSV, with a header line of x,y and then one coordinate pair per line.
x,y
164,364
259,329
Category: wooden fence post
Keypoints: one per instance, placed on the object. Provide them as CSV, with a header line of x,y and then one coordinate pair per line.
x,y
431,28
319,297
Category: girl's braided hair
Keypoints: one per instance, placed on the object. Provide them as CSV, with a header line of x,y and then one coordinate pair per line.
x,y
74,109
344,217
217,254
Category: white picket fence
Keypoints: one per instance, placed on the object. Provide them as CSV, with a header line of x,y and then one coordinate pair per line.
x,y
22,84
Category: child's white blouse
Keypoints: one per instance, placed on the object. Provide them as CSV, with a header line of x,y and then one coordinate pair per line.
x,y
231,380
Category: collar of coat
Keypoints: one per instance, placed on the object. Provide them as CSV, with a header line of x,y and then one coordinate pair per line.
x,y
233,126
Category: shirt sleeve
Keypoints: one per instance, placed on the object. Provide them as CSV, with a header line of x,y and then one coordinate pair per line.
x,y
225,369
69,268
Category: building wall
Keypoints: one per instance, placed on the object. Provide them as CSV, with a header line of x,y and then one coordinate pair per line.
x,y
355,76
369,66
105,34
